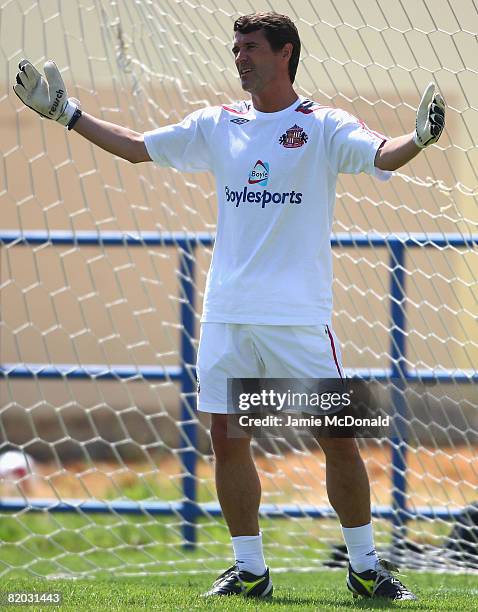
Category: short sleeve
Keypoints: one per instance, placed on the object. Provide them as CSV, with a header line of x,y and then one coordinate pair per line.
x,y
182,145
351,146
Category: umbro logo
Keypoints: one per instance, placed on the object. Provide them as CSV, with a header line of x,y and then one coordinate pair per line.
x,y
239,120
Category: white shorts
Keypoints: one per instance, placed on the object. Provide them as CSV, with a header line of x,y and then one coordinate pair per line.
x,y
233,350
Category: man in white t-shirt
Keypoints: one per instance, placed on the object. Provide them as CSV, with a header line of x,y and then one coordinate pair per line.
x,y
268,302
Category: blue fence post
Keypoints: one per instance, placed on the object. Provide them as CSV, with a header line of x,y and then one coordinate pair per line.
x,y
188,427
399,406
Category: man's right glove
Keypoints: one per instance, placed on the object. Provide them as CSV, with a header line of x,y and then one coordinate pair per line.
x,y
49,97
430,118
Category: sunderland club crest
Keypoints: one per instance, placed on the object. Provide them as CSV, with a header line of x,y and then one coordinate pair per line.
x,y
294,137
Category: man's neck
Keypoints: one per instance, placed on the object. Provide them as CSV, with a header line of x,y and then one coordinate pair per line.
x,y
274,101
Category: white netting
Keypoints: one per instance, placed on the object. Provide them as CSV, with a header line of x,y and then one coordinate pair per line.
x,y
149,63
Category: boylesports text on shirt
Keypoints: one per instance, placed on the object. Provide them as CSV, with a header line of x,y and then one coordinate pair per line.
x,y
262,197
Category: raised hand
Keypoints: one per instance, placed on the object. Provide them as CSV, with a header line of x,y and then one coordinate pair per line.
x,y
430,118
46,95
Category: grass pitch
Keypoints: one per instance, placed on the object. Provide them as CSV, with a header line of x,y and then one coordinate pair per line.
x,y
106,547
307,591
52,545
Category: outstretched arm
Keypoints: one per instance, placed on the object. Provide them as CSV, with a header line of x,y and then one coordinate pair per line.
x,y
49,98
396,152
113,138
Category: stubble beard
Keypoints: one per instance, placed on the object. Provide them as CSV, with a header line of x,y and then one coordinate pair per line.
x,y
253,85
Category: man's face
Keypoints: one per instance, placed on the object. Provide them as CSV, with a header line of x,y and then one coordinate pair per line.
x,y
258,65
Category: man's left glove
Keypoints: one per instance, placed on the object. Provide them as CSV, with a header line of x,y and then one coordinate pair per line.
x,y
46,96
430,118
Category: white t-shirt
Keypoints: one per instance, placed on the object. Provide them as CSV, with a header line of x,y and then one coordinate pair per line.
x,y
276,179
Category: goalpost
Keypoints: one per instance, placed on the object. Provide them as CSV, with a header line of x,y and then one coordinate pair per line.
x,y
103,266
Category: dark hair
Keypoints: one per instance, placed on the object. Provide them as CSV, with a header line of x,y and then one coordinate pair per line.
x,y
278,29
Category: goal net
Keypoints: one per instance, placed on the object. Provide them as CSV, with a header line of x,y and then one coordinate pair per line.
x,y
104,464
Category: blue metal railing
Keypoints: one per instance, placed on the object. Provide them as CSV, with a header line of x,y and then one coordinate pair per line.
x,y
189,508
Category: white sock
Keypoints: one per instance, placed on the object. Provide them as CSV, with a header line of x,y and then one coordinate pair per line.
x,y
249,555
361,548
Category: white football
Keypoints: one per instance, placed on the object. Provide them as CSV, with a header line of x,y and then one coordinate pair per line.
x,y
15,465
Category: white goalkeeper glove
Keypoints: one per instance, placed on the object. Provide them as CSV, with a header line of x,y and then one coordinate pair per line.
x,y
48,97
430,118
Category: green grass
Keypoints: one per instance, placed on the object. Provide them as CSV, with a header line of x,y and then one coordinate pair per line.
x,y
106,547
308,591
51,546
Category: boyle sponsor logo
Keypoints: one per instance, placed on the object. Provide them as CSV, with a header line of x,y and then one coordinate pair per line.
x,y
259,175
